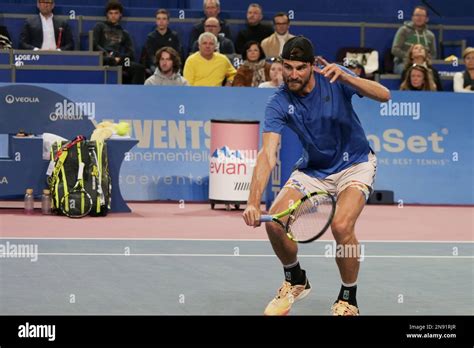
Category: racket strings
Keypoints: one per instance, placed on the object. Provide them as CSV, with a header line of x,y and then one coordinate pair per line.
x,y
310,218
77,203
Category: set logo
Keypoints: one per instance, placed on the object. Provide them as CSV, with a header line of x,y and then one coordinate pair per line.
x,y
10,99
70,111
393,140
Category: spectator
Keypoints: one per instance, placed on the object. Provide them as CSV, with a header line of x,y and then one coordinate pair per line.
x,y
254,69
224,45
211,8
162,36
418,79
206,67
276,75
273,45
5,41
255,30
46,32
116,44
418,55
412,32
464,81
356,67
167,72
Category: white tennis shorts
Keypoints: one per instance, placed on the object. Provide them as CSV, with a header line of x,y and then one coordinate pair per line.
x,y
359,175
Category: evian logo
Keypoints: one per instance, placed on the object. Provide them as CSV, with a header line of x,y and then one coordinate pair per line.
x,y
227,161
69,111
10,99
226,153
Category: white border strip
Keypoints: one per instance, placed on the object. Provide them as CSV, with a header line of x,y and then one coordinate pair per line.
x,y
233,240
254,255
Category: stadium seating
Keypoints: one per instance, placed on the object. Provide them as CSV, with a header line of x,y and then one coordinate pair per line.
x,y
330,25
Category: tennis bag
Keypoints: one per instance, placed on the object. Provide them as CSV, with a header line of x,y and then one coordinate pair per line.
x,y
79,179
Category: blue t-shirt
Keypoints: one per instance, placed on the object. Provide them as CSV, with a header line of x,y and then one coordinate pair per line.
x,y
326,123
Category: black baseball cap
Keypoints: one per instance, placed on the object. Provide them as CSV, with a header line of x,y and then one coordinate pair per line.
x,y
298,48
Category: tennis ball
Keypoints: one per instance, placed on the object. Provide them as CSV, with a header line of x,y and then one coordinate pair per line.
x,y
123,128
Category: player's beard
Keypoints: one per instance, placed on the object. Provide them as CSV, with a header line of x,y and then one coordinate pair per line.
x,y
296,85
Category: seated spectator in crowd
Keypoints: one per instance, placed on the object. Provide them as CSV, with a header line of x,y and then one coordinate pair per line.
x,y
207,67
116,44
273,45
356,67
5,41
162,36
418,79
276,75
167,73
46,32
418,55
411,33
211,8
464,81
254,30
224,45
254,70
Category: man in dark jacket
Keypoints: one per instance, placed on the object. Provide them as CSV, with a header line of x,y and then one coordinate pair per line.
x,y
224,45
116,45
46,32
255,30
211,8
160,37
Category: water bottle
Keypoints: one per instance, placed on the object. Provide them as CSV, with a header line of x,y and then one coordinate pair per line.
x,y
46,202
29,202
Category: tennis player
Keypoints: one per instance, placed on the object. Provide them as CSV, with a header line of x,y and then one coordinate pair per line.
x,y
315,102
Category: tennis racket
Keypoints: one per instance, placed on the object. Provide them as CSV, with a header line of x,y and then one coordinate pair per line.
x,y
307,218
77,203
68,145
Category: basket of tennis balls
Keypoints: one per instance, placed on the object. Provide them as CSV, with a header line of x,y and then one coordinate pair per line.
x,y
105,130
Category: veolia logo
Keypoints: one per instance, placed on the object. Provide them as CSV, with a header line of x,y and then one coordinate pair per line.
x,y
10,99
55,116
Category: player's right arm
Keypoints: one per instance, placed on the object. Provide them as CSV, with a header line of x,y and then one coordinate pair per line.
x,y
266,160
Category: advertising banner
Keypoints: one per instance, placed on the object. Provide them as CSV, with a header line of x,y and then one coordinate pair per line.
x,y
424,141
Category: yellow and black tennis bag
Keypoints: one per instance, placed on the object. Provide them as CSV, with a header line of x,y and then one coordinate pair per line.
x,y
79,189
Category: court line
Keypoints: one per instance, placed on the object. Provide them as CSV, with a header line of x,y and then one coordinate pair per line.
x,y
249,255
230,240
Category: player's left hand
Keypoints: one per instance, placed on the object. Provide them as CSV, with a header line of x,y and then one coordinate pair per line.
x,y
330,70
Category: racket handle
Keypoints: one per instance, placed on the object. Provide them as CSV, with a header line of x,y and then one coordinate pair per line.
x,y
266,218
